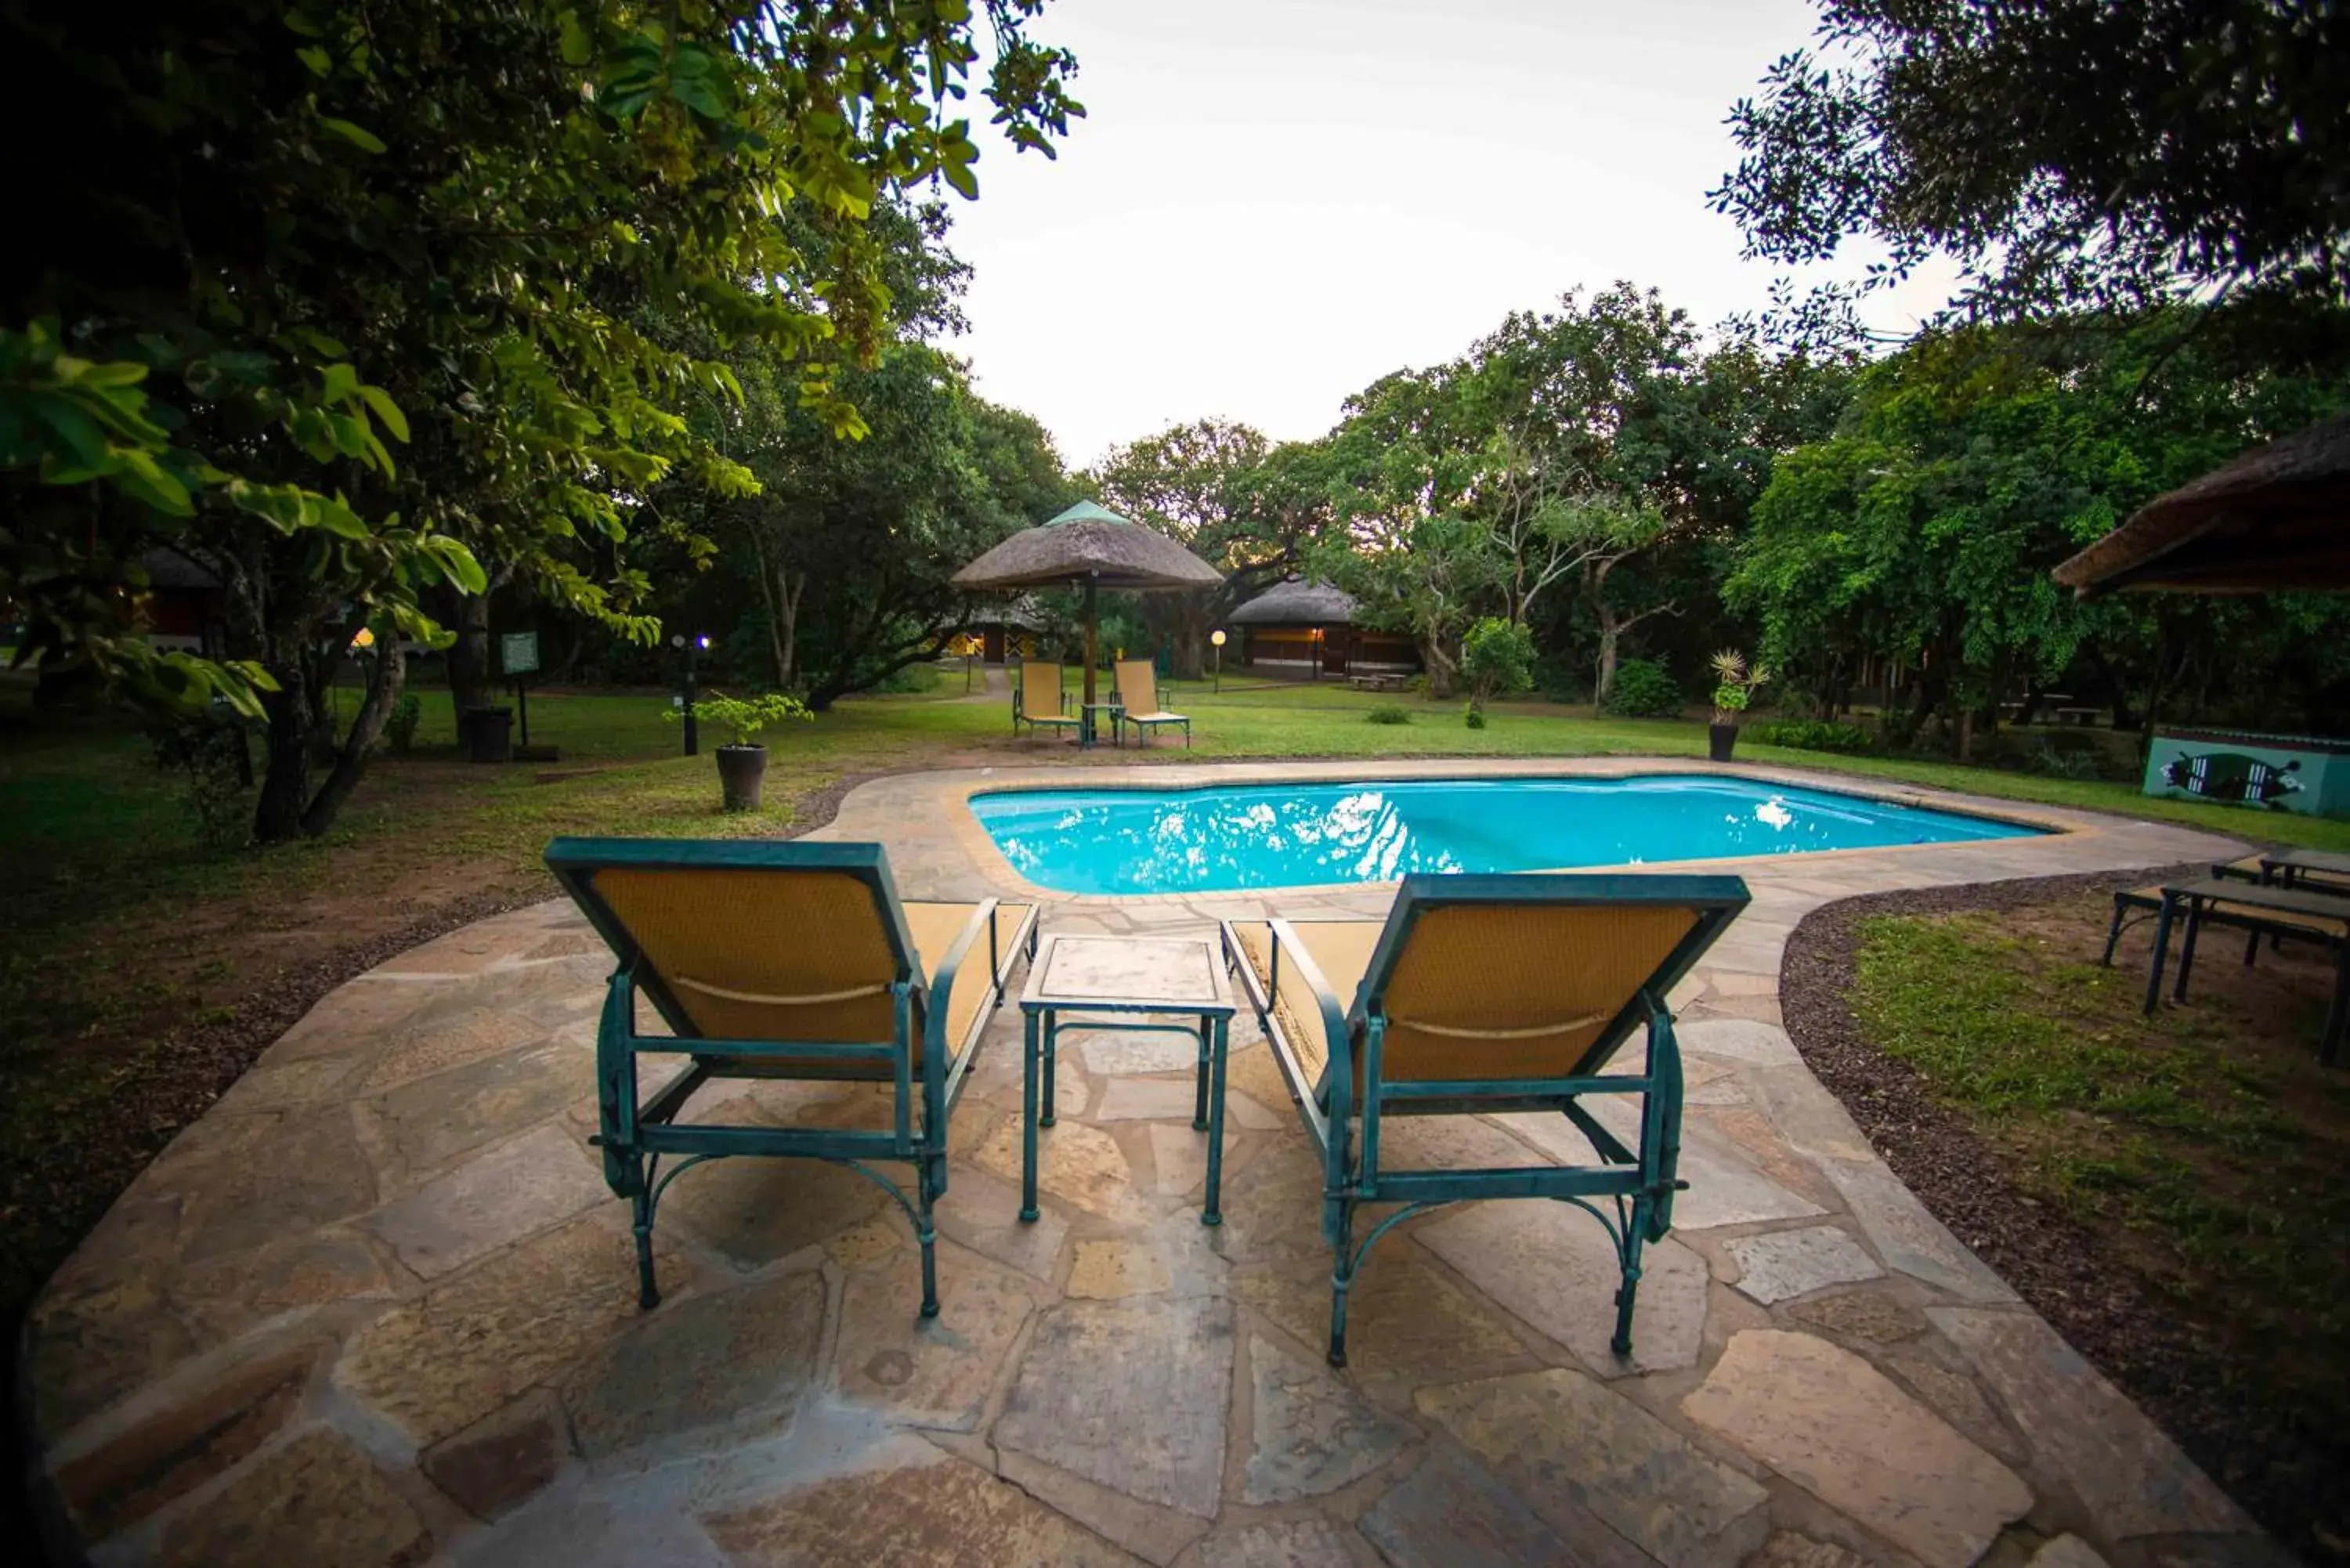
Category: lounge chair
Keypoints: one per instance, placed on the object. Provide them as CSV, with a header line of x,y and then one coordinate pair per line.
x,y
1479,994
1138,695
783,960
1039,702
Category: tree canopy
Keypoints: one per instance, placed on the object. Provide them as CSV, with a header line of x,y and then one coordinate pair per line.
x,y
494,234
2071,155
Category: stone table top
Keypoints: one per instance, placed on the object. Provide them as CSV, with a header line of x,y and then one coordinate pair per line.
x,y
376,1307
1127,974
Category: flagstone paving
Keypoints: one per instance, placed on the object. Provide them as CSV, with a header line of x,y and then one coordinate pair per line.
x,y
377,1307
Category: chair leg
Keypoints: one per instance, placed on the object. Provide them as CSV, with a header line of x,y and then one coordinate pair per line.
x,y
1342,1280
648,1289
1627,1293
2112,933
927,1235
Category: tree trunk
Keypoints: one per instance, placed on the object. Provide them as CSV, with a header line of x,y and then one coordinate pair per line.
x,y
286,780
390,675
787,630
470,676
1604,681
1439,669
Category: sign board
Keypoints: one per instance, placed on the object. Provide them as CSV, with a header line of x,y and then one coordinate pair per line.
x,y
518,653
2307,775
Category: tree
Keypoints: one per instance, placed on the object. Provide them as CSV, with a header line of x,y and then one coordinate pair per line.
x,y
852,544
1498,657
1923,532
1190,481
1604,532
2071,155
495,228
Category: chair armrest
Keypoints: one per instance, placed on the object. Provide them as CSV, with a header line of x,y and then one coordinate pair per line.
x,y
1338,1072
939,1001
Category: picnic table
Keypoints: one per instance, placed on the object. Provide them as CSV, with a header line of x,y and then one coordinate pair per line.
x,y
2298,911
1376,683
2287,868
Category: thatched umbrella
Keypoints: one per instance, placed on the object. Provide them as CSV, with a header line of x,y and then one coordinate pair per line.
x,y
1093,548
2277,517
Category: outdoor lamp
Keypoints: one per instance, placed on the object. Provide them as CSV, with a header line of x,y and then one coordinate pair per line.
x,y
1217,637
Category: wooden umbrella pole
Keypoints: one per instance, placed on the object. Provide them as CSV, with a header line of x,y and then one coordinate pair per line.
x,y
1089,645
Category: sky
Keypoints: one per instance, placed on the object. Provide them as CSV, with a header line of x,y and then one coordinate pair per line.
x,y
1271,203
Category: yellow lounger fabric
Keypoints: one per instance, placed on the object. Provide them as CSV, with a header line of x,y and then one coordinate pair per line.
x,y
727,937
1481,992
1138,688
1040,694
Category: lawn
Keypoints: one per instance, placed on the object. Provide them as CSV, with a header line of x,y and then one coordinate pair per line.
x,y
126,933
2201,1151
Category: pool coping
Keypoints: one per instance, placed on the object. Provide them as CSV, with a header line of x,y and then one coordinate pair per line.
x,y
955,789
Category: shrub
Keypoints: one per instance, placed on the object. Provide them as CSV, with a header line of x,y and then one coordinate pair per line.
x,y
399,725
1388,713
745,717
1643,691
1476,717
1806,735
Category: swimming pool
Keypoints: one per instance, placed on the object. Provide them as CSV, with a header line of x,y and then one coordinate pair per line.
x,y
1298,835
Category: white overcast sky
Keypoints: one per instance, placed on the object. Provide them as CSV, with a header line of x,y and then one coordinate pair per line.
x,y
1271,203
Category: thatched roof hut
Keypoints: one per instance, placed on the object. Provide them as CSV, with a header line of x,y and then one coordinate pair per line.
x,y
2277,517
1297,603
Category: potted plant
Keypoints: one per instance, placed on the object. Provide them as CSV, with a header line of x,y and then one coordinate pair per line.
x,y
742,761
1733,693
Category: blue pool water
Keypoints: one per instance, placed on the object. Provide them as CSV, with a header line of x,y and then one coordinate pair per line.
x,y
1296,835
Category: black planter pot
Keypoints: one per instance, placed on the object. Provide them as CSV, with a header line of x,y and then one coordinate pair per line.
x,y
1720,739
487,734
740,771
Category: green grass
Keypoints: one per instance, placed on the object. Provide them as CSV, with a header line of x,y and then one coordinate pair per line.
x,y
2204,1146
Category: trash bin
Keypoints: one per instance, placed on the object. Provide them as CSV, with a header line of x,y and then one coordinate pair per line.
x,y
489,734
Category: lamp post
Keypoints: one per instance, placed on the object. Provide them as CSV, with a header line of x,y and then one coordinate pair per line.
x,y
693,646
1217,637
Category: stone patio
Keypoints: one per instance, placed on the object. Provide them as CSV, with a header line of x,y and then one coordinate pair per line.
x,y
377,1307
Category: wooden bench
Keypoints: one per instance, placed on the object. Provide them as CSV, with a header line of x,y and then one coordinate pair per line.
x,y
2083,716
1376,683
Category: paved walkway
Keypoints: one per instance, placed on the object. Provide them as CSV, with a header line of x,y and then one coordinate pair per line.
x,y
377,1308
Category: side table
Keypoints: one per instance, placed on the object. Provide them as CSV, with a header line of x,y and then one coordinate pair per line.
x,y
1105,983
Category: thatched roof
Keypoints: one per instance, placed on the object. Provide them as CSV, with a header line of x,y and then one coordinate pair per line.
x,y
1023,614
1297,603
169,569
1088,543
2277,517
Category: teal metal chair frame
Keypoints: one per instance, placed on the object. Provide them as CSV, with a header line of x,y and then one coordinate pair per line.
x,y
1640,1184
635,1134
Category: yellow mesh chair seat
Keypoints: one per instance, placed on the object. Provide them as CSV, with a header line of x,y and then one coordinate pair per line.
x,y
1138,691
1494,991
1041,695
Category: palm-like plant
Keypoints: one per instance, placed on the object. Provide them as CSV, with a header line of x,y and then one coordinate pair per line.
x,y
1734,685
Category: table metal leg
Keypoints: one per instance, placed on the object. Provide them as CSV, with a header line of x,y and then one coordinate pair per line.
x,y
1200,1081
2161,950
1052,1057
1028,1115
1213,1214
2337,1016
2187,948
